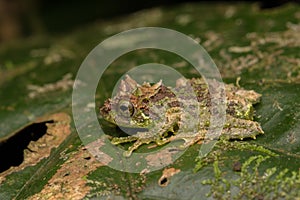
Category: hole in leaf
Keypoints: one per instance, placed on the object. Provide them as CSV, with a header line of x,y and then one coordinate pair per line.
x,y
12,149
163,181
87,158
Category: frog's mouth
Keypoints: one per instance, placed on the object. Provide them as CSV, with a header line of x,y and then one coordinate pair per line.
x,y
125,123
132,130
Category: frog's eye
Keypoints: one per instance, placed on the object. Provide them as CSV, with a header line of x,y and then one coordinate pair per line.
x,y
126,108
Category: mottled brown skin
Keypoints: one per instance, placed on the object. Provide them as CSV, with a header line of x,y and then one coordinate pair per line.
x,y
183,111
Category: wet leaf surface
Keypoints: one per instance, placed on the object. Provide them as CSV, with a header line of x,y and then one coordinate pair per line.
x,y
259,46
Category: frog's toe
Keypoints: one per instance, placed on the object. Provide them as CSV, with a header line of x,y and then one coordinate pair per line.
x,y
136,145
127,153
131,149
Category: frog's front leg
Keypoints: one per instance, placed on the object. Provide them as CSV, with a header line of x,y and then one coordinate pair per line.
x,y
140,138
145,138
189,138
139,142
155,134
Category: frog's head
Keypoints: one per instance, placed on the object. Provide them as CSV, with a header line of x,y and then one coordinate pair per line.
x,y
131,104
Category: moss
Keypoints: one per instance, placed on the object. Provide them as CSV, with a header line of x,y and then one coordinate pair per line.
x,y
252,183
225,145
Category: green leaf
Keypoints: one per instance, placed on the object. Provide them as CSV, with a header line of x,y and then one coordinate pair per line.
x,y
259,46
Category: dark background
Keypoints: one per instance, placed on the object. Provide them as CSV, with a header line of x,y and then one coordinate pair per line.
x,y
23,18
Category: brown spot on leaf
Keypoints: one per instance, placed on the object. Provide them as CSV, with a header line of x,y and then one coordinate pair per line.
x,y
162,158
94,149
164,180
69,181
41,136
64,84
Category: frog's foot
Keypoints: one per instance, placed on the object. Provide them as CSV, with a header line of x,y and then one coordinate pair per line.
x,y
139,139
189,138
139,142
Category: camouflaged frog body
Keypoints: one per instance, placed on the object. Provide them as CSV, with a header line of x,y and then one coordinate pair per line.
x,y
164,112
